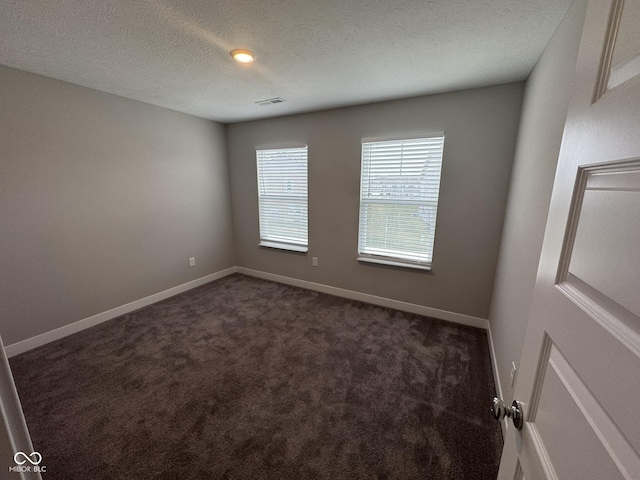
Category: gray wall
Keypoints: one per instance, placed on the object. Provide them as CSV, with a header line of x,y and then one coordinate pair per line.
x,y
544,111
481,127
102,201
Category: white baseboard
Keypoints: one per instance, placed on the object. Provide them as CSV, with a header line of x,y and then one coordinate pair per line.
x,y
496,375
38,340
375,300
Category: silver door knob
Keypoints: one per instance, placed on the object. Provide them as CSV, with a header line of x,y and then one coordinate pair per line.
x,y
514,412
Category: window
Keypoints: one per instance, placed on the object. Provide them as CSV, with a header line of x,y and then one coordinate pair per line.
x,y
399,188
282,198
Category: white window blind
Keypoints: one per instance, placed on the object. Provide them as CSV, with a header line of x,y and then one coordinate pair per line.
x,y
282,198
399,189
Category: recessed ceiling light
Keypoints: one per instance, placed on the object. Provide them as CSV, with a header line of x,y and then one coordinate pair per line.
x,y
242,56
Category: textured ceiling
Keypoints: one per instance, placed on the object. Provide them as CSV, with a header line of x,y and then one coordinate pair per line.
x,y
315,54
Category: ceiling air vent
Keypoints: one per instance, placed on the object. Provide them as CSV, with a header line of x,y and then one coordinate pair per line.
x,y
271,101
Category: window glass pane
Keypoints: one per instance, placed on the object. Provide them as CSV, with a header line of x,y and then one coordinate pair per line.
x,y
399,190
282,195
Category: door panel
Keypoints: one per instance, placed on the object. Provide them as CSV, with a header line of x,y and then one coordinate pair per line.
x,y
579,380
600,242
563,394
623,44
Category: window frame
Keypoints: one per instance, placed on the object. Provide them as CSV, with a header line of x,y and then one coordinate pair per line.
x,y
386,256
265,238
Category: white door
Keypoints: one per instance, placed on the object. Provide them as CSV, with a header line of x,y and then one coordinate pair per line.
x,y
14,436
579,378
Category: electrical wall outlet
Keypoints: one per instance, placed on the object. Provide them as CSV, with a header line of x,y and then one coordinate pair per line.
x,y
192,261
514,370
314,261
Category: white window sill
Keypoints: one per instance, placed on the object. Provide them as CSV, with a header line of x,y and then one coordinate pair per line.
x,y
284,246
395,263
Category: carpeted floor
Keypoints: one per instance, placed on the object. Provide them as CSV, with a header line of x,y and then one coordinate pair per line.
x,y
248,379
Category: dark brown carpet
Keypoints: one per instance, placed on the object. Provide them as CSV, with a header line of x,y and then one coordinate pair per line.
x,y
248,379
